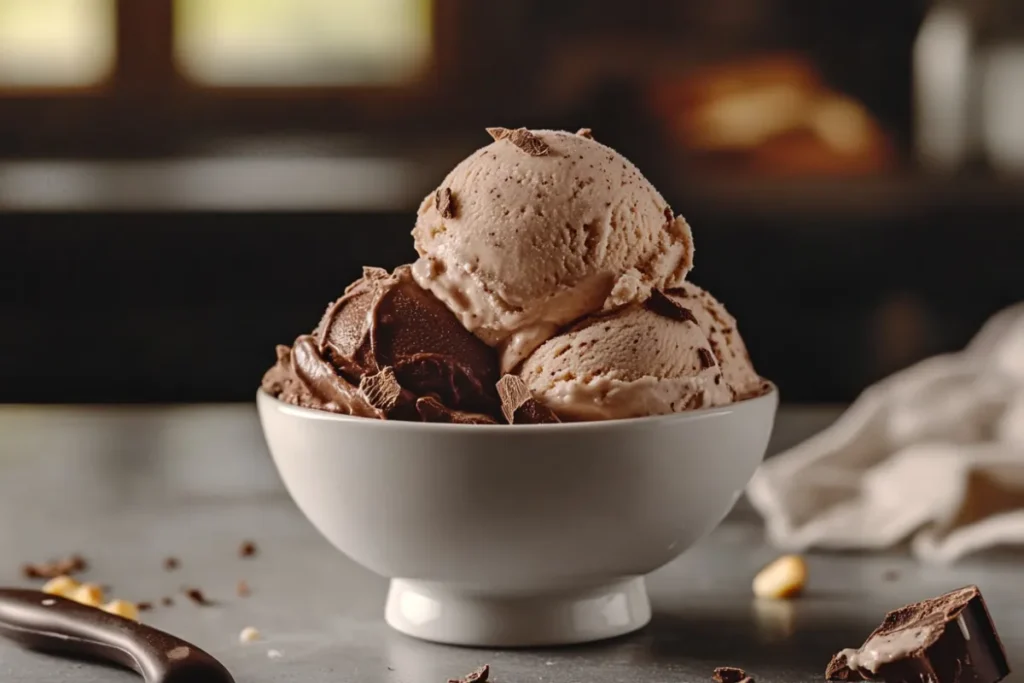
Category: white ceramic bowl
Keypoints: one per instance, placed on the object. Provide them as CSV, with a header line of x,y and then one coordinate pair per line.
x,y
517,535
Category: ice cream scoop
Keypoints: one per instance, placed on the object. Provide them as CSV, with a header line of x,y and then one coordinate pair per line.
x,y
678,350
389,349
540,228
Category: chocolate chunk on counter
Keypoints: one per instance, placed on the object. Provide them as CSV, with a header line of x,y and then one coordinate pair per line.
x,y
948,639
50,623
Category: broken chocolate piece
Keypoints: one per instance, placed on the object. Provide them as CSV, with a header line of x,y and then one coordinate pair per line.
x,y
585,133
381,390
518,404
476,676
706,359
731,674
72,564
50,623
948,639
664,306
445,202
247,549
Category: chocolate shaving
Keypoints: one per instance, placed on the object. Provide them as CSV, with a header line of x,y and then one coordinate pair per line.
x,y
498,133
513,393
730,674
445,202
247,549
528,142
171,563
661,304
706,359
585,133
196,596
523,139
476,676
72,564
518,404
242,589
381,390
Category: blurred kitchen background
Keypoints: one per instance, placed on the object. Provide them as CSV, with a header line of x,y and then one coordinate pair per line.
x,y
185,183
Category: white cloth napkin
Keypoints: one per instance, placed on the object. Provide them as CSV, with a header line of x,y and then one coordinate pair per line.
x,y
934,453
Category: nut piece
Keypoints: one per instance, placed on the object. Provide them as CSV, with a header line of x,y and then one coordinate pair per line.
x,y
122,608
248,635
88,594
62,585
782,579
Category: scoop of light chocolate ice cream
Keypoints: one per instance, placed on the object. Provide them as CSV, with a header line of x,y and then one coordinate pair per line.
x,y
389,349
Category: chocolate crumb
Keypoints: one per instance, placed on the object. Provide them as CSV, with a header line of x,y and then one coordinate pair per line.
x,y
196,596
706,359
171,563
585,133
167,601
476,676
247,549
144,606
730,674
72,564
242,589
445,202
381,390
667,308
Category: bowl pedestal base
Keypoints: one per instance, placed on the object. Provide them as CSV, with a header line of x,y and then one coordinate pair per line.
x,y
444,614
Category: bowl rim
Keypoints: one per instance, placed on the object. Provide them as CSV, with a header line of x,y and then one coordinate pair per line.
x,y
769,397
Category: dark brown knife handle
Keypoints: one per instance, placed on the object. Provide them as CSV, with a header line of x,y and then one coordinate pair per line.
x,y
49,623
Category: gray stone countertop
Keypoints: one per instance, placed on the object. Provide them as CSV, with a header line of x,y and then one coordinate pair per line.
x,y
128,487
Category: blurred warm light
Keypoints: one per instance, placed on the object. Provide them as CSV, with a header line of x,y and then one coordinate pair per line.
x,y
56,43
303,42
772,114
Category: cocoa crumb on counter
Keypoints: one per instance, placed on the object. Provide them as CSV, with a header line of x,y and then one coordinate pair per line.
x,y
67,566
476,676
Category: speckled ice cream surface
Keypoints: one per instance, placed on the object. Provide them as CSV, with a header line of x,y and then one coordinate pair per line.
x,y
531,242
677,351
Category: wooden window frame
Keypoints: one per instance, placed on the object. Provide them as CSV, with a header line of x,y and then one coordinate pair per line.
x,y
145,92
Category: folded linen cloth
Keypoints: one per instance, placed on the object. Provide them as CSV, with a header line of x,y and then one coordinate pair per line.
x,y
934,453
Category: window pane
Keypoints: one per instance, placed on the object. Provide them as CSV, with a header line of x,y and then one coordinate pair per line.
x,y
56,42
303,42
